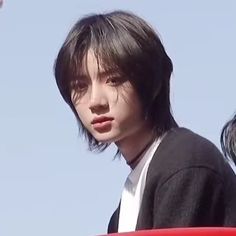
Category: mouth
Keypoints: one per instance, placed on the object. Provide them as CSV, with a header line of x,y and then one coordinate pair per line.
x,y
102,123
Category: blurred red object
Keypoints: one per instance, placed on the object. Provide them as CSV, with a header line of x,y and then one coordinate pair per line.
x,y
206,231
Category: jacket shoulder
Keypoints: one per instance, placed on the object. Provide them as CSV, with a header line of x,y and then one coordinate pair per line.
x,y
180,149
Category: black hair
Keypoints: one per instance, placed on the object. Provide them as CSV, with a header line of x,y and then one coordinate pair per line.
x,y
123,42
228,139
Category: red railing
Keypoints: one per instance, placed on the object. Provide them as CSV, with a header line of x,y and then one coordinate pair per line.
x,y
208,231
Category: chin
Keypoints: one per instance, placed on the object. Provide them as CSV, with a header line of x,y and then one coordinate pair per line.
x,y
105,137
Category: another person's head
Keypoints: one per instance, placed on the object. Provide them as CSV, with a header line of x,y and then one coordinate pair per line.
x,y
228,139
122,57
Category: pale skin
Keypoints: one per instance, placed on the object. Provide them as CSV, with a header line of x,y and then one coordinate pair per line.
x,y
109,108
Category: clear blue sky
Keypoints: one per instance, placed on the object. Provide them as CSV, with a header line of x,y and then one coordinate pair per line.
x,y
49,183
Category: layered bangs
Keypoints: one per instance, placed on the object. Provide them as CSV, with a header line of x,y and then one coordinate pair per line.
x,y
114,47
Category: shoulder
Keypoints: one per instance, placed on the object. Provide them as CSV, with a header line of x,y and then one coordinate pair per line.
x,y
185,145
182,149
187,140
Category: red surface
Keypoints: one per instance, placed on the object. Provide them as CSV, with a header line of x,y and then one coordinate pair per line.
x,y
182,232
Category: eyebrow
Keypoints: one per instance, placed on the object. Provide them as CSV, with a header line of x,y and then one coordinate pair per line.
x,y
101,74
106,73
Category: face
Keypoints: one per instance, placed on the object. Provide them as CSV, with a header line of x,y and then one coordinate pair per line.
x,y
106,103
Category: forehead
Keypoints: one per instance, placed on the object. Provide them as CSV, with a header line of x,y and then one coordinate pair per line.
x,y
94,67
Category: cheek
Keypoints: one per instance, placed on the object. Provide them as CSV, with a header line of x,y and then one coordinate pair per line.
x,y
83,115
130,110
133,104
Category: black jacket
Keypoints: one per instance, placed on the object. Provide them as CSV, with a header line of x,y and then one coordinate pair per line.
x,y
188,184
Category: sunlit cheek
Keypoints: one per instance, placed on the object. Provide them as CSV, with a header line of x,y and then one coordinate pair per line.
x,y
84,115
80,97
78,105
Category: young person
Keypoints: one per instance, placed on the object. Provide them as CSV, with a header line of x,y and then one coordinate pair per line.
x,y
114,73
228,139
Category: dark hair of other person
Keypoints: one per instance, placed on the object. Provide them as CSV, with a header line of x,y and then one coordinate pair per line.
x,y
228,139
124,43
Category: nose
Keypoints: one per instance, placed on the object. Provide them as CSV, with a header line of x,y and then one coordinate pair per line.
x,y
98,98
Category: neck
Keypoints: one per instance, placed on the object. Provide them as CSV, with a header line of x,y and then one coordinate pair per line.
x,y
134,147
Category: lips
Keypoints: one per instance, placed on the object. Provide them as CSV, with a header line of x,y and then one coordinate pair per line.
x,y
101,119
102,123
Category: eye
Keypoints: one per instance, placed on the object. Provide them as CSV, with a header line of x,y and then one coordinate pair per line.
x,y
81,85
114,81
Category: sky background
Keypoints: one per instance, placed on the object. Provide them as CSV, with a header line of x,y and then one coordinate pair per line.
x,y
50,184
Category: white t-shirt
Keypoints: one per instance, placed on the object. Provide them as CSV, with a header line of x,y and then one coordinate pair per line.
x,y
133,191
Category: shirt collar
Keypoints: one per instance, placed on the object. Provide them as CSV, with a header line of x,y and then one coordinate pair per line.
x,y
134,175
